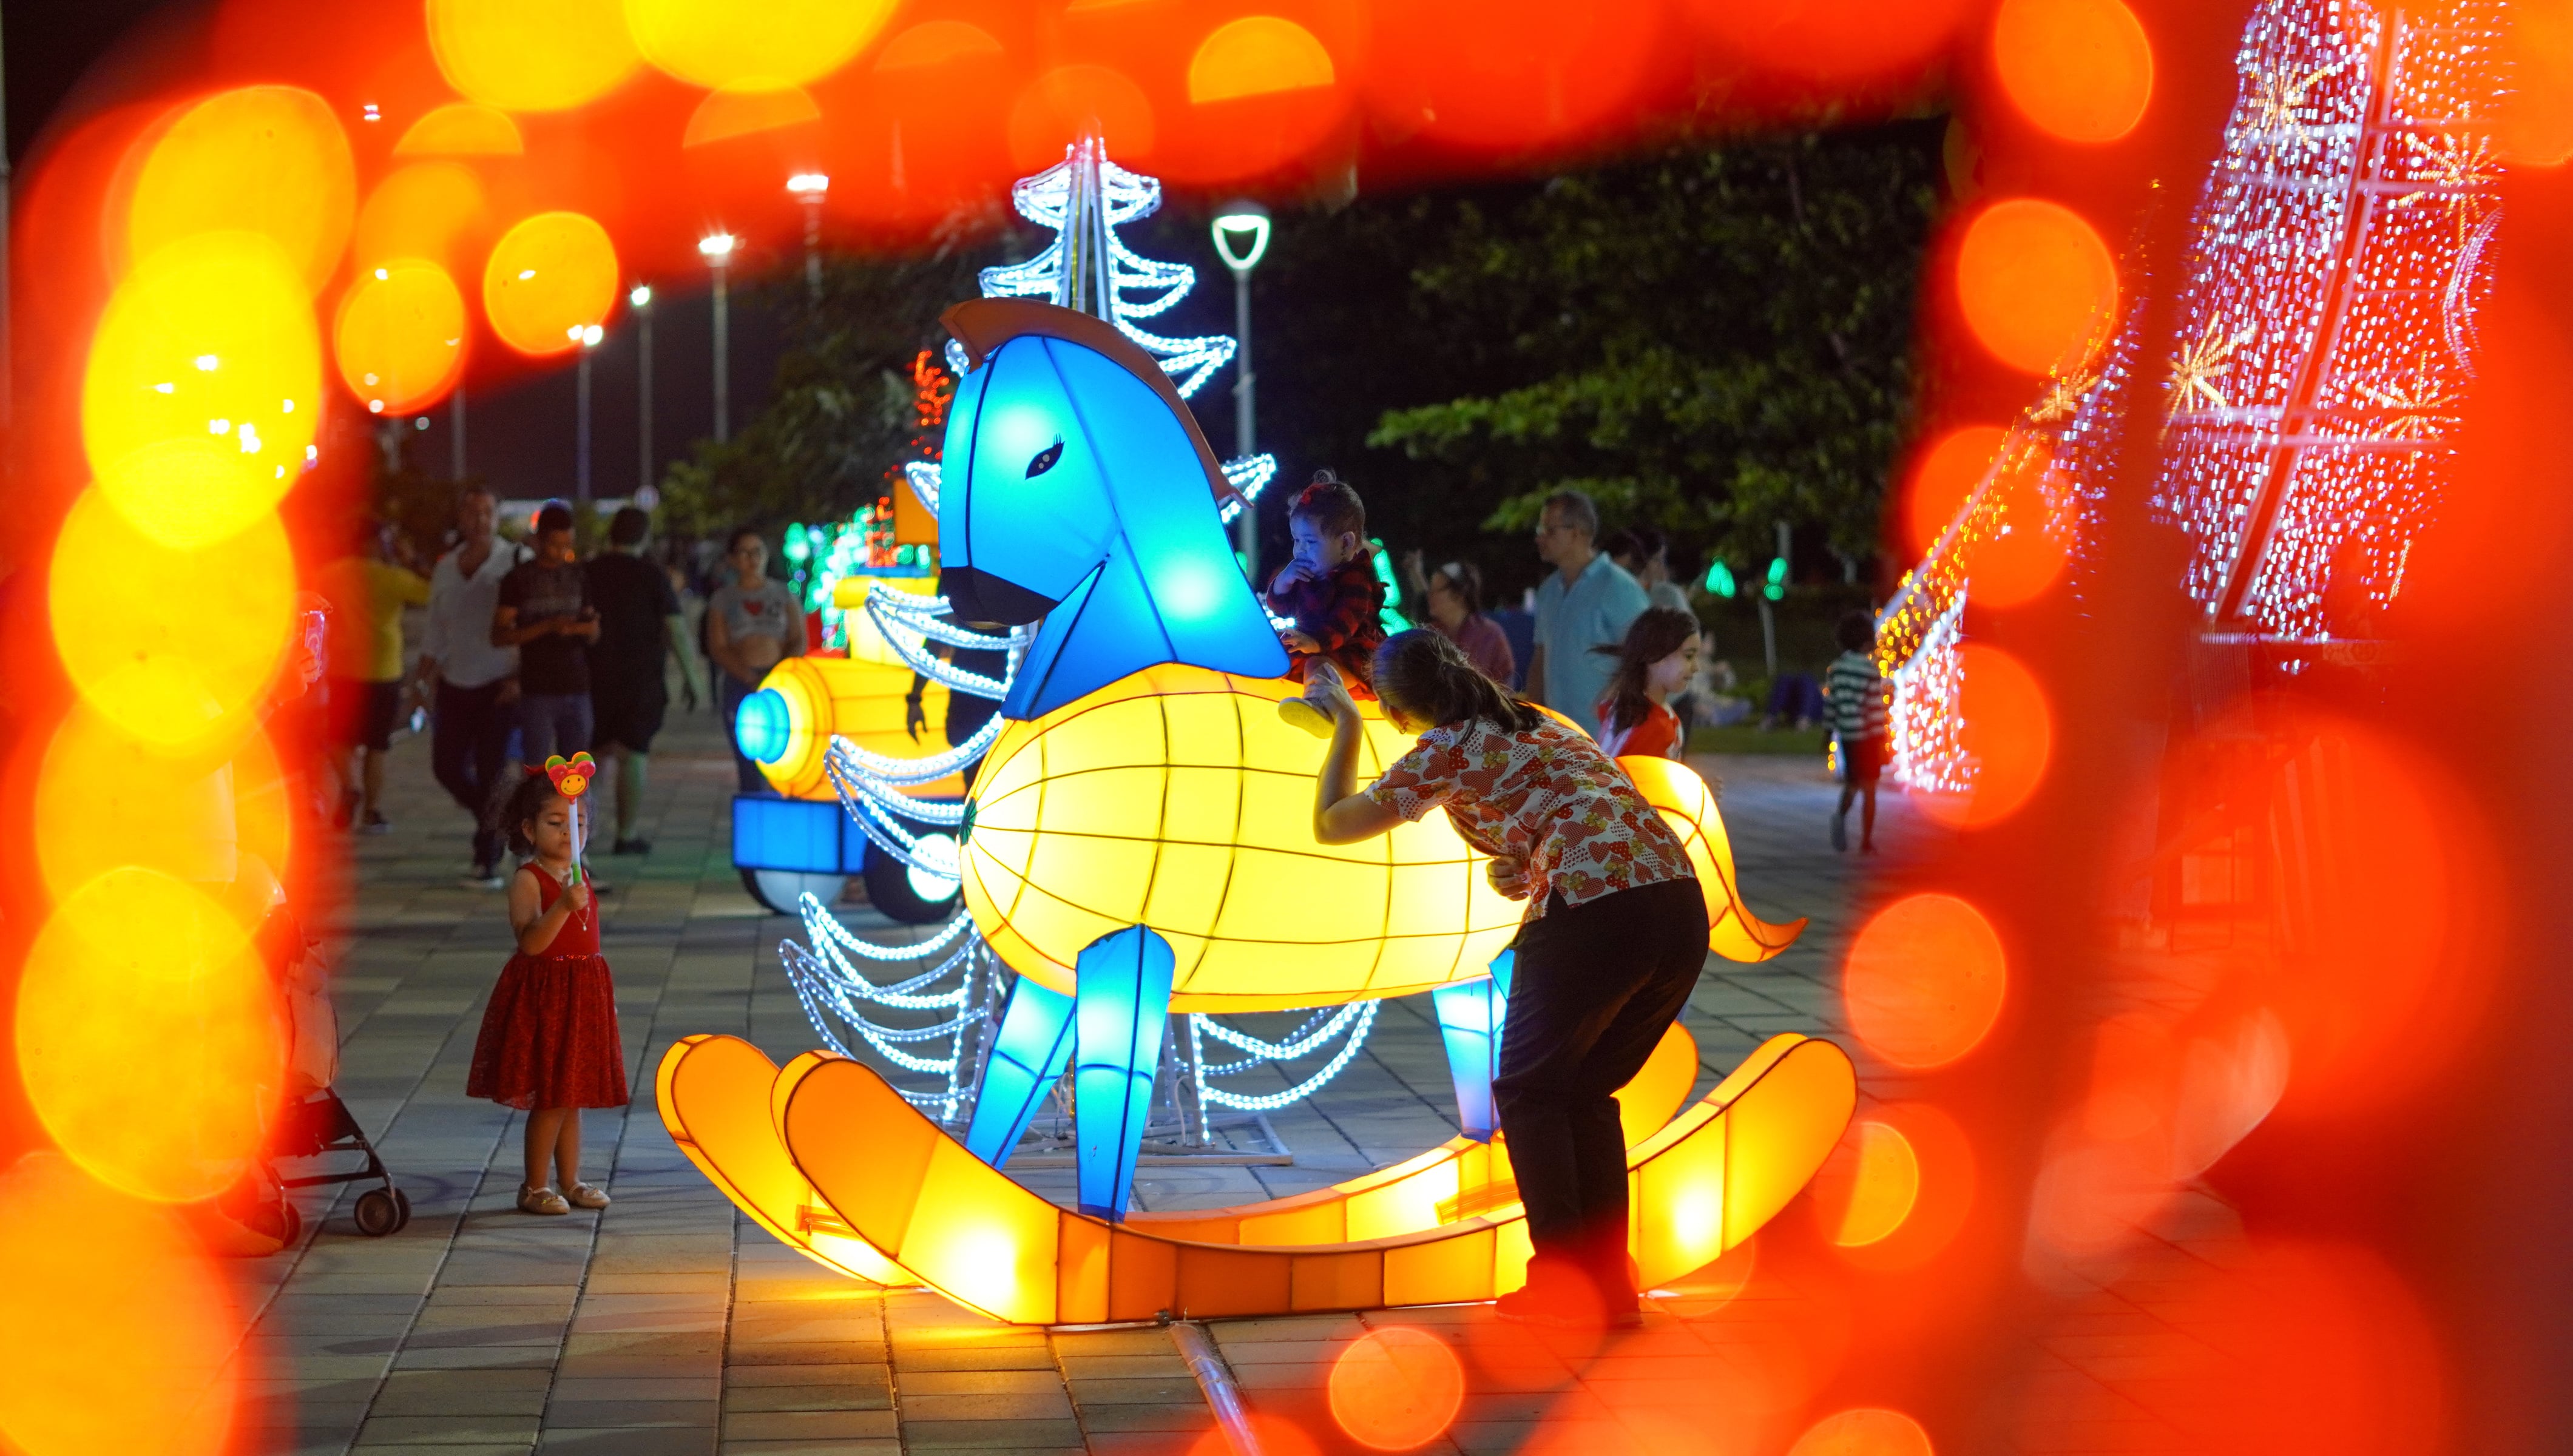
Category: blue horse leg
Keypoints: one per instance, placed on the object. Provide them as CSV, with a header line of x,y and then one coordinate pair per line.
x,y
1027,1059
1122,1003
1470,1016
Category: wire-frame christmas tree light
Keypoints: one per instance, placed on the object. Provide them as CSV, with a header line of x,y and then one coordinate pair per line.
x,y
1086,198
2325,338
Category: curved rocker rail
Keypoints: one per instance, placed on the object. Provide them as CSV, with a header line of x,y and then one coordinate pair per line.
x,y
895,1182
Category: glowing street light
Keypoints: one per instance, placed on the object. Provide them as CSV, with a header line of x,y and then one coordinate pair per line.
x,y
586,336
641,300
1241,240
719,250
810,189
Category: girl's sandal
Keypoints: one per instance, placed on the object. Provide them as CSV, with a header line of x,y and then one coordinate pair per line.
x,y
542,1201
582,1196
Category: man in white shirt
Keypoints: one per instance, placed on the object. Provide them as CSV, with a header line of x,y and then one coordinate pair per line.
x,y
1588,602
477,683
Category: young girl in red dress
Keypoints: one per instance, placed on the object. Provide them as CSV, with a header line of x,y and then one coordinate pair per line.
x,y
549,1044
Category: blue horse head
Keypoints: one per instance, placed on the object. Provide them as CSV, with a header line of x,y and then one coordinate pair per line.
x,y
1077,489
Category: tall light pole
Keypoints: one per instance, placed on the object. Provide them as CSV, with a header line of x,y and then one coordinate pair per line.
x,y
641,302
584,337
1240,239
719,247
810,188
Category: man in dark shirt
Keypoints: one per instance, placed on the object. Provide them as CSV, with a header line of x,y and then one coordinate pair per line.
x,y
638,624
546,613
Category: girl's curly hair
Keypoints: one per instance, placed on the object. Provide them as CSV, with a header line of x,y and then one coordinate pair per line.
x,y
520,808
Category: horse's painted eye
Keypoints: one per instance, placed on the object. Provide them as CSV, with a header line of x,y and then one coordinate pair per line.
x,y
1045,460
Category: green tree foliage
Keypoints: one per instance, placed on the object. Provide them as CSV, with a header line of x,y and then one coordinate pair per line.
x,y
1707,341
842,409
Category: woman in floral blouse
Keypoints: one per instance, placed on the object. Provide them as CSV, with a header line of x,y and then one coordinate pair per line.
x,y
1614,938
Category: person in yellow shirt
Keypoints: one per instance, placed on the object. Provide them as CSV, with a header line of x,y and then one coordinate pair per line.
x,y
366,592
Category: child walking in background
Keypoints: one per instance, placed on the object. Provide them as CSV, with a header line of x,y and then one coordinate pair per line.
x,y
549,1044
1656,660
1330,593
1857,691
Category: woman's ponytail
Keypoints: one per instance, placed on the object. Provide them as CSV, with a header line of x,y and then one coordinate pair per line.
x,y
1426,675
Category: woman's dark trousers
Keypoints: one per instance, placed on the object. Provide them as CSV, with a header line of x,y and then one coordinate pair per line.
x,y
1593,988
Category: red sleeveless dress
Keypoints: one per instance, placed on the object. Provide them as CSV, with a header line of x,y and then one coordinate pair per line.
x,y
548,1035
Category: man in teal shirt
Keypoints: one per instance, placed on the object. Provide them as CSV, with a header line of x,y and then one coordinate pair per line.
x,y
1588,602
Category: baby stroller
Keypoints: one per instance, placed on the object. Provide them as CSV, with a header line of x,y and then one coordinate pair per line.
x,y
312,1120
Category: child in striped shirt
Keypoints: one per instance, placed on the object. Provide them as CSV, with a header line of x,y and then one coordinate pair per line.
x,y
1857,693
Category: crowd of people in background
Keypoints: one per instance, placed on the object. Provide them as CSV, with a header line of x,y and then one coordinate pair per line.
x,y
529,651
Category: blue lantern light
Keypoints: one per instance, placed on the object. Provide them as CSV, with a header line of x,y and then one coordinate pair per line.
x,y
760,726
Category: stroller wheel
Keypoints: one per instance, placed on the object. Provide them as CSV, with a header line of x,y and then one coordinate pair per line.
x,y
378,1214
401,1210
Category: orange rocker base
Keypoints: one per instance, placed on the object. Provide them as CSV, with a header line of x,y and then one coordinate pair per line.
x,y
831,1160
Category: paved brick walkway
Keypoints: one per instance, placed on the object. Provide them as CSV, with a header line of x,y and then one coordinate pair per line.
x,y
671,1324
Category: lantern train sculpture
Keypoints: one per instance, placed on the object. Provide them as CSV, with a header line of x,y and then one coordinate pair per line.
x,y
1138,842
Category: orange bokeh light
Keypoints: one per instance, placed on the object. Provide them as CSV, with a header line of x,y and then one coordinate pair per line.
x,y
2009,732
147,1035
115,1329
548,274
2036,284
269,159
202,388
400,339
1865,1431
1258,55
1868,1188
1943,1195
103,800
2536,127
169,644
1831,39
1945,476
425,210
2022,558
741,109
1394,1389
1061,104
462,129
532,55
2082,70
1508,74
935,42
1276,1435
1924,980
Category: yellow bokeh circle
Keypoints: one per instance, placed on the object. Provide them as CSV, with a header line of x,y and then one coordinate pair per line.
x,y
531,55
400,340
1258,55
103,800
146,1034
780,42
169,643
202,389
548,274
269,159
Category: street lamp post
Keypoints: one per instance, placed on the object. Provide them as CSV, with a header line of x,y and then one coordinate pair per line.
x,y
1241,237
718,249
585,338
641,302
810,188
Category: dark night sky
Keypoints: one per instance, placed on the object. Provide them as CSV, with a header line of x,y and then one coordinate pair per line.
x,y
520,437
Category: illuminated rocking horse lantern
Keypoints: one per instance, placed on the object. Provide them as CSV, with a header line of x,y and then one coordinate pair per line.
x,y
1139,841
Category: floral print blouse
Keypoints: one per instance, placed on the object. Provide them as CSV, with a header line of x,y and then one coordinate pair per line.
x,y
1548,797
